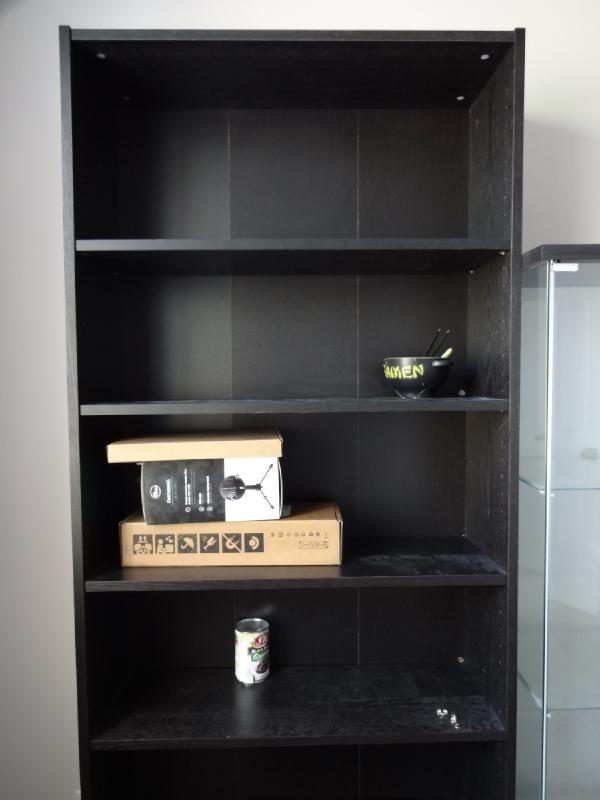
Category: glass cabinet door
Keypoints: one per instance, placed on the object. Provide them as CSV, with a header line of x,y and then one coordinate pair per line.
x,y
532,532
573,623
559,595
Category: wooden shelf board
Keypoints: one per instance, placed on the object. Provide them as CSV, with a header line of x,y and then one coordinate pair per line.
x,y
286,256
314,705
208,35
285,245
319,405
446,561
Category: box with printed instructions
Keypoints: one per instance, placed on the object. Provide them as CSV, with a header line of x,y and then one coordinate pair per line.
x,y
206,477
311,534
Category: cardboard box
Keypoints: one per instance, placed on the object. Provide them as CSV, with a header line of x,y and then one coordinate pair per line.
x,y
312,534
191,446
206,477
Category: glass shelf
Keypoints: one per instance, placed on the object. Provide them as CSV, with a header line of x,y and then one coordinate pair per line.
x,y
575,473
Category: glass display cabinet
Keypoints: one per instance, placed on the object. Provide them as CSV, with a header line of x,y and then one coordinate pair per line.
x,y
558,739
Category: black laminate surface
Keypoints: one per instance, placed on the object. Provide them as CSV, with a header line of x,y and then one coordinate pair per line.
x,y
307,705
319,405
285,256
292,173
379,772
294,69
561,252
448,561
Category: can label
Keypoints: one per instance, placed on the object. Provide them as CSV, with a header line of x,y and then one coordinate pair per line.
x,y
251,655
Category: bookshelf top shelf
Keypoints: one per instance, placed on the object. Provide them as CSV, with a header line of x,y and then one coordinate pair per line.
x,y
296,68
288,36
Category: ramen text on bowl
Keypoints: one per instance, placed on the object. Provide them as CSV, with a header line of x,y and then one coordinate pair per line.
x,y
408,371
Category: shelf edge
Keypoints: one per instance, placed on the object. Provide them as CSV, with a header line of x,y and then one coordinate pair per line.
x,y
360,405
297,245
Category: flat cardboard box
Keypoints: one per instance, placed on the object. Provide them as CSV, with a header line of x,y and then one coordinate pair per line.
x,y
311,535
197,446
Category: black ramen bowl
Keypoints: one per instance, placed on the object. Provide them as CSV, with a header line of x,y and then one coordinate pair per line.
x,y
415,376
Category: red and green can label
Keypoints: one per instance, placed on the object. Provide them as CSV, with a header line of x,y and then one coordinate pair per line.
x,y
251,651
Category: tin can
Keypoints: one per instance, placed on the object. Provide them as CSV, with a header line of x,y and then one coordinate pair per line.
x,y
251,650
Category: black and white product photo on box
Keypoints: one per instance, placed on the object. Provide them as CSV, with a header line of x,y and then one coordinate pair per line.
x,y
207,490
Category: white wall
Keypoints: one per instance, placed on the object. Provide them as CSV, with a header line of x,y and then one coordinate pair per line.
x,y
562,204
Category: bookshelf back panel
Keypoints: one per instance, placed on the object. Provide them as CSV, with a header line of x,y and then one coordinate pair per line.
x,y
215,337
171,175
140,632
273,173
293,173
413,170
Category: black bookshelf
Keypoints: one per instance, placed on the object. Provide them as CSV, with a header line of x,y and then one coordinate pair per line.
x,y
244,249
